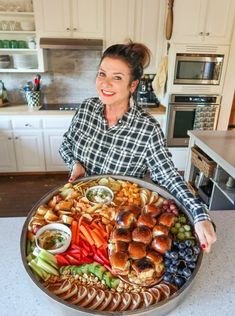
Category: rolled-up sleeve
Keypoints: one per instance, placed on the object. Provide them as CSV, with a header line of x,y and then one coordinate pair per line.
x,y
163,172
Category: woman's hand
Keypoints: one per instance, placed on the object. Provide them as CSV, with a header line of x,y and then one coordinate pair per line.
x,y
206,234
77,172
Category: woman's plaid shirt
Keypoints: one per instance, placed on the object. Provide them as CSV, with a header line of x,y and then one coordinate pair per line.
x,y
132,147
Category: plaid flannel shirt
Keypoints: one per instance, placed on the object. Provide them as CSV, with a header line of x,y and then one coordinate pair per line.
x,y
132,147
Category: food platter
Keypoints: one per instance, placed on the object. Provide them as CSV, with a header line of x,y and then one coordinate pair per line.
x,y
137,254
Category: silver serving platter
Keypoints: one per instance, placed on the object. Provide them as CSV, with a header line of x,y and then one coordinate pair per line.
x,y
159,309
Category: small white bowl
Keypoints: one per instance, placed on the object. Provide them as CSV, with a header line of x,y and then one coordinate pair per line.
x,y
27,25
97,191
55,226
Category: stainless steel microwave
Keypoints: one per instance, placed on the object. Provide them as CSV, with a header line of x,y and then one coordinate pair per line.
x,y
198,69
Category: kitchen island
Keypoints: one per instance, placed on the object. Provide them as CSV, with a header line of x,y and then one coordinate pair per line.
x,y
212,293
217,146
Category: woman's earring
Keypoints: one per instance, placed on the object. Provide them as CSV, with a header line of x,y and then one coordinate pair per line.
x,y
131,101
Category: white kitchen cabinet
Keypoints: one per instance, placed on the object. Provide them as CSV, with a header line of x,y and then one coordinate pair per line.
x,y
53,131
69,18
161,118
140,21
18,40
53,139
148,15
21,151
120,21
7,154
179,157
21,141
203,21
29,150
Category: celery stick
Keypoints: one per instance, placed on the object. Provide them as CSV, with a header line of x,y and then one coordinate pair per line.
x,y
36,269
30,257
48,257
46,266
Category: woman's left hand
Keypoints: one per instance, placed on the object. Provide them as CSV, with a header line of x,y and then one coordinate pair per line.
x,y
206,234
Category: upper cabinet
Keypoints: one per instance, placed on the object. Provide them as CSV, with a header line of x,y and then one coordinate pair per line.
x,y
120,21
149,28
138,20
203,21
19,50
70,18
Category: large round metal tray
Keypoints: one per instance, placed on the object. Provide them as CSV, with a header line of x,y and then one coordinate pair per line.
x,y
161,308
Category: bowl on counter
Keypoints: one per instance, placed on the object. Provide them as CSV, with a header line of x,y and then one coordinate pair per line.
x,y
165,299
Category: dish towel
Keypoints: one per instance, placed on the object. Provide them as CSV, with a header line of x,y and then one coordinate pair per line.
x,y
159,82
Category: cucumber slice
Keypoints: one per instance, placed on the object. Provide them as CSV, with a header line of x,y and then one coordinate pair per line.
x,y
85,268
77,270
99,271
114,283
92,267
107,277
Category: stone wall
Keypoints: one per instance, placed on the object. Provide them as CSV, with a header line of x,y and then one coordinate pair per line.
x,y
70,77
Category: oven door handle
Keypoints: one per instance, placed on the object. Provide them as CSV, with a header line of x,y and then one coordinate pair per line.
x,y
183,108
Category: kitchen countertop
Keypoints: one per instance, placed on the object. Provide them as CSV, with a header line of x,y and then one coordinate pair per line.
x,y
212,293
23,110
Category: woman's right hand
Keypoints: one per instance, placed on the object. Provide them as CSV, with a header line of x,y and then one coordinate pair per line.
x,y
77,172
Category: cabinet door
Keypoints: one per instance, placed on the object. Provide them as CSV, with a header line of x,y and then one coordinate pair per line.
x,y
162,121
7,152
53,139
189,17
119,21
203,21
147,29
29,150
219,21
53,18
88,18
179,157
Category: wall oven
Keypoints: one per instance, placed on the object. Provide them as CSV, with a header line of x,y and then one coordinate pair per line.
x,y
188,112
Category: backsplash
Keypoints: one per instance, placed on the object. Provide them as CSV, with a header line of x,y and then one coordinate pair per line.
x,y
70,77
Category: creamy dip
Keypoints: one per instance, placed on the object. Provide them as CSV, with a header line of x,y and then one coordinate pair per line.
x,y
52,239
99,195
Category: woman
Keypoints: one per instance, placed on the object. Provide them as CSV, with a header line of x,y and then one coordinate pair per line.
x,y
113,135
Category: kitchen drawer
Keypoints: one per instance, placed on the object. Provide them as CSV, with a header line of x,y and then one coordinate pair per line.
x,y
27,123
57,122
5,124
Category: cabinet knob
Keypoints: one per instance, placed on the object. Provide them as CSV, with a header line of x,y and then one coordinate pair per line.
x,y
67,29
75,29
16,137
9,138
201,33
28,125
207,33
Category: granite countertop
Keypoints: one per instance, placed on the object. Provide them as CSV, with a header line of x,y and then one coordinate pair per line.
x,y
23,110
212,292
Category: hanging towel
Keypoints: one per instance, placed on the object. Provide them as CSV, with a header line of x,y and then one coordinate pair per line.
x,y
159,81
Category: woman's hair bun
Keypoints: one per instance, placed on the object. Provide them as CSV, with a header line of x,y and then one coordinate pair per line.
x,y
142,51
